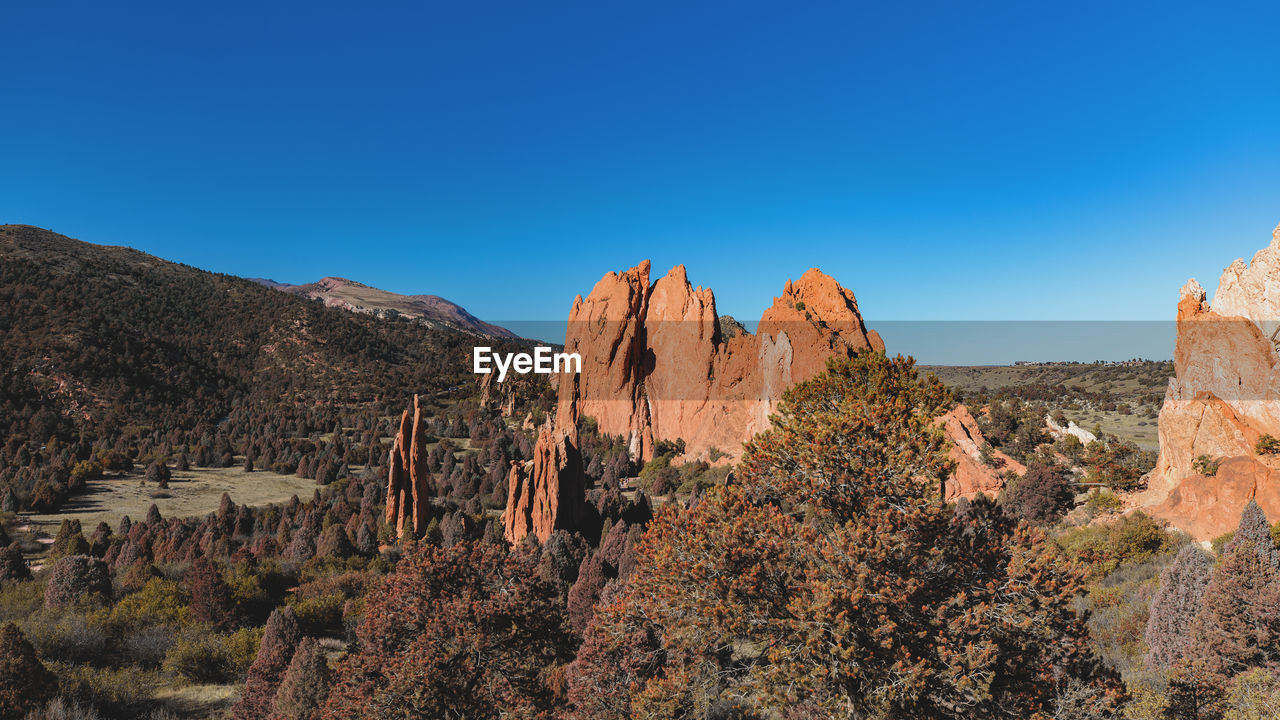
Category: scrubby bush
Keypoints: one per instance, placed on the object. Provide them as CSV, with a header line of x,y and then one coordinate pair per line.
x,y
65,635
123,691
1040,496
1267,445
1132,539
205,657
1205,465
159,602
1103,501
320,615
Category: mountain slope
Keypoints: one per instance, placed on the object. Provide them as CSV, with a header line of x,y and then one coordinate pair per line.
x,y
108,348
432,310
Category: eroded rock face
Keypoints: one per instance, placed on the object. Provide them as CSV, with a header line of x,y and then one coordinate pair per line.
x,y
972,476
548,492
656,365
1225,394
408,479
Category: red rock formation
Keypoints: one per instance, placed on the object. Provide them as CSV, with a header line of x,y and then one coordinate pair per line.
x,y
973,476
655,365
607,331
548,492
1225,394
408,480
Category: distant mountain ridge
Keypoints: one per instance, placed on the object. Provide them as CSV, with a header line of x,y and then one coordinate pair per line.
x,y
358,297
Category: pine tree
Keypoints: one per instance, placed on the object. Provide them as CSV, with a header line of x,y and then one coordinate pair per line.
x,y
1174,607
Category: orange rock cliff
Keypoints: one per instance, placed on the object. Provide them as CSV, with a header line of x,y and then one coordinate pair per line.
x,y
657,365
1224,396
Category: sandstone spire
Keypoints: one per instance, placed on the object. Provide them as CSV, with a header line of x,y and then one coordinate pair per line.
x,y
408,479
548,492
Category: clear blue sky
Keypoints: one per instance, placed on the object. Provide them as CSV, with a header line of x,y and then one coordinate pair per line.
x,y
947,160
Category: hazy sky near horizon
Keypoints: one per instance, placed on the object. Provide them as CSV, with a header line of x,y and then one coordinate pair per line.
x,y
946,161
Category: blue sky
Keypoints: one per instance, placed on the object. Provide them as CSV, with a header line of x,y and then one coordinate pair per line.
x,y
946,161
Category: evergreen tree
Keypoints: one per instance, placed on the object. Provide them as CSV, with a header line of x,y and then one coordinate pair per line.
x,y
75,578
1254,528
13,567
1238,626
210,596
469,631
25,682
832,580
280,640
1174,607
305,684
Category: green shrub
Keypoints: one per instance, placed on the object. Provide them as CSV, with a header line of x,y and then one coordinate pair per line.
x,y
124,691
159,602
1267,445
1135,538
66,635
1104,501
241,647
1221,541
199,657
1205,465
320,616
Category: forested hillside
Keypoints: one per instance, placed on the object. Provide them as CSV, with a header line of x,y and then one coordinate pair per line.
x,y
107,349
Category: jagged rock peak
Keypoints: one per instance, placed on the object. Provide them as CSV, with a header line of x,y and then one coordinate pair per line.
x,y
657,366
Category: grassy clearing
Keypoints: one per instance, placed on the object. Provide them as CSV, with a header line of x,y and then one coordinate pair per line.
x,y
194,492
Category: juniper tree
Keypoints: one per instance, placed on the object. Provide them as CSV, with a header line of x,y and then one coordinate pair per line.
x,y
832,580
1255,528
12,565
210,596
1174,607
280,640
75,578
304,685
25,682
1238,626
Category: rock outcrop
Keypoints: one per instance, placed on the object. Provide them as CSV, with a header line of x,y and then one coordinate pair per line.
x,y
495,395
656,364
1058,431
973,476
548,492
1224,396
408,479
